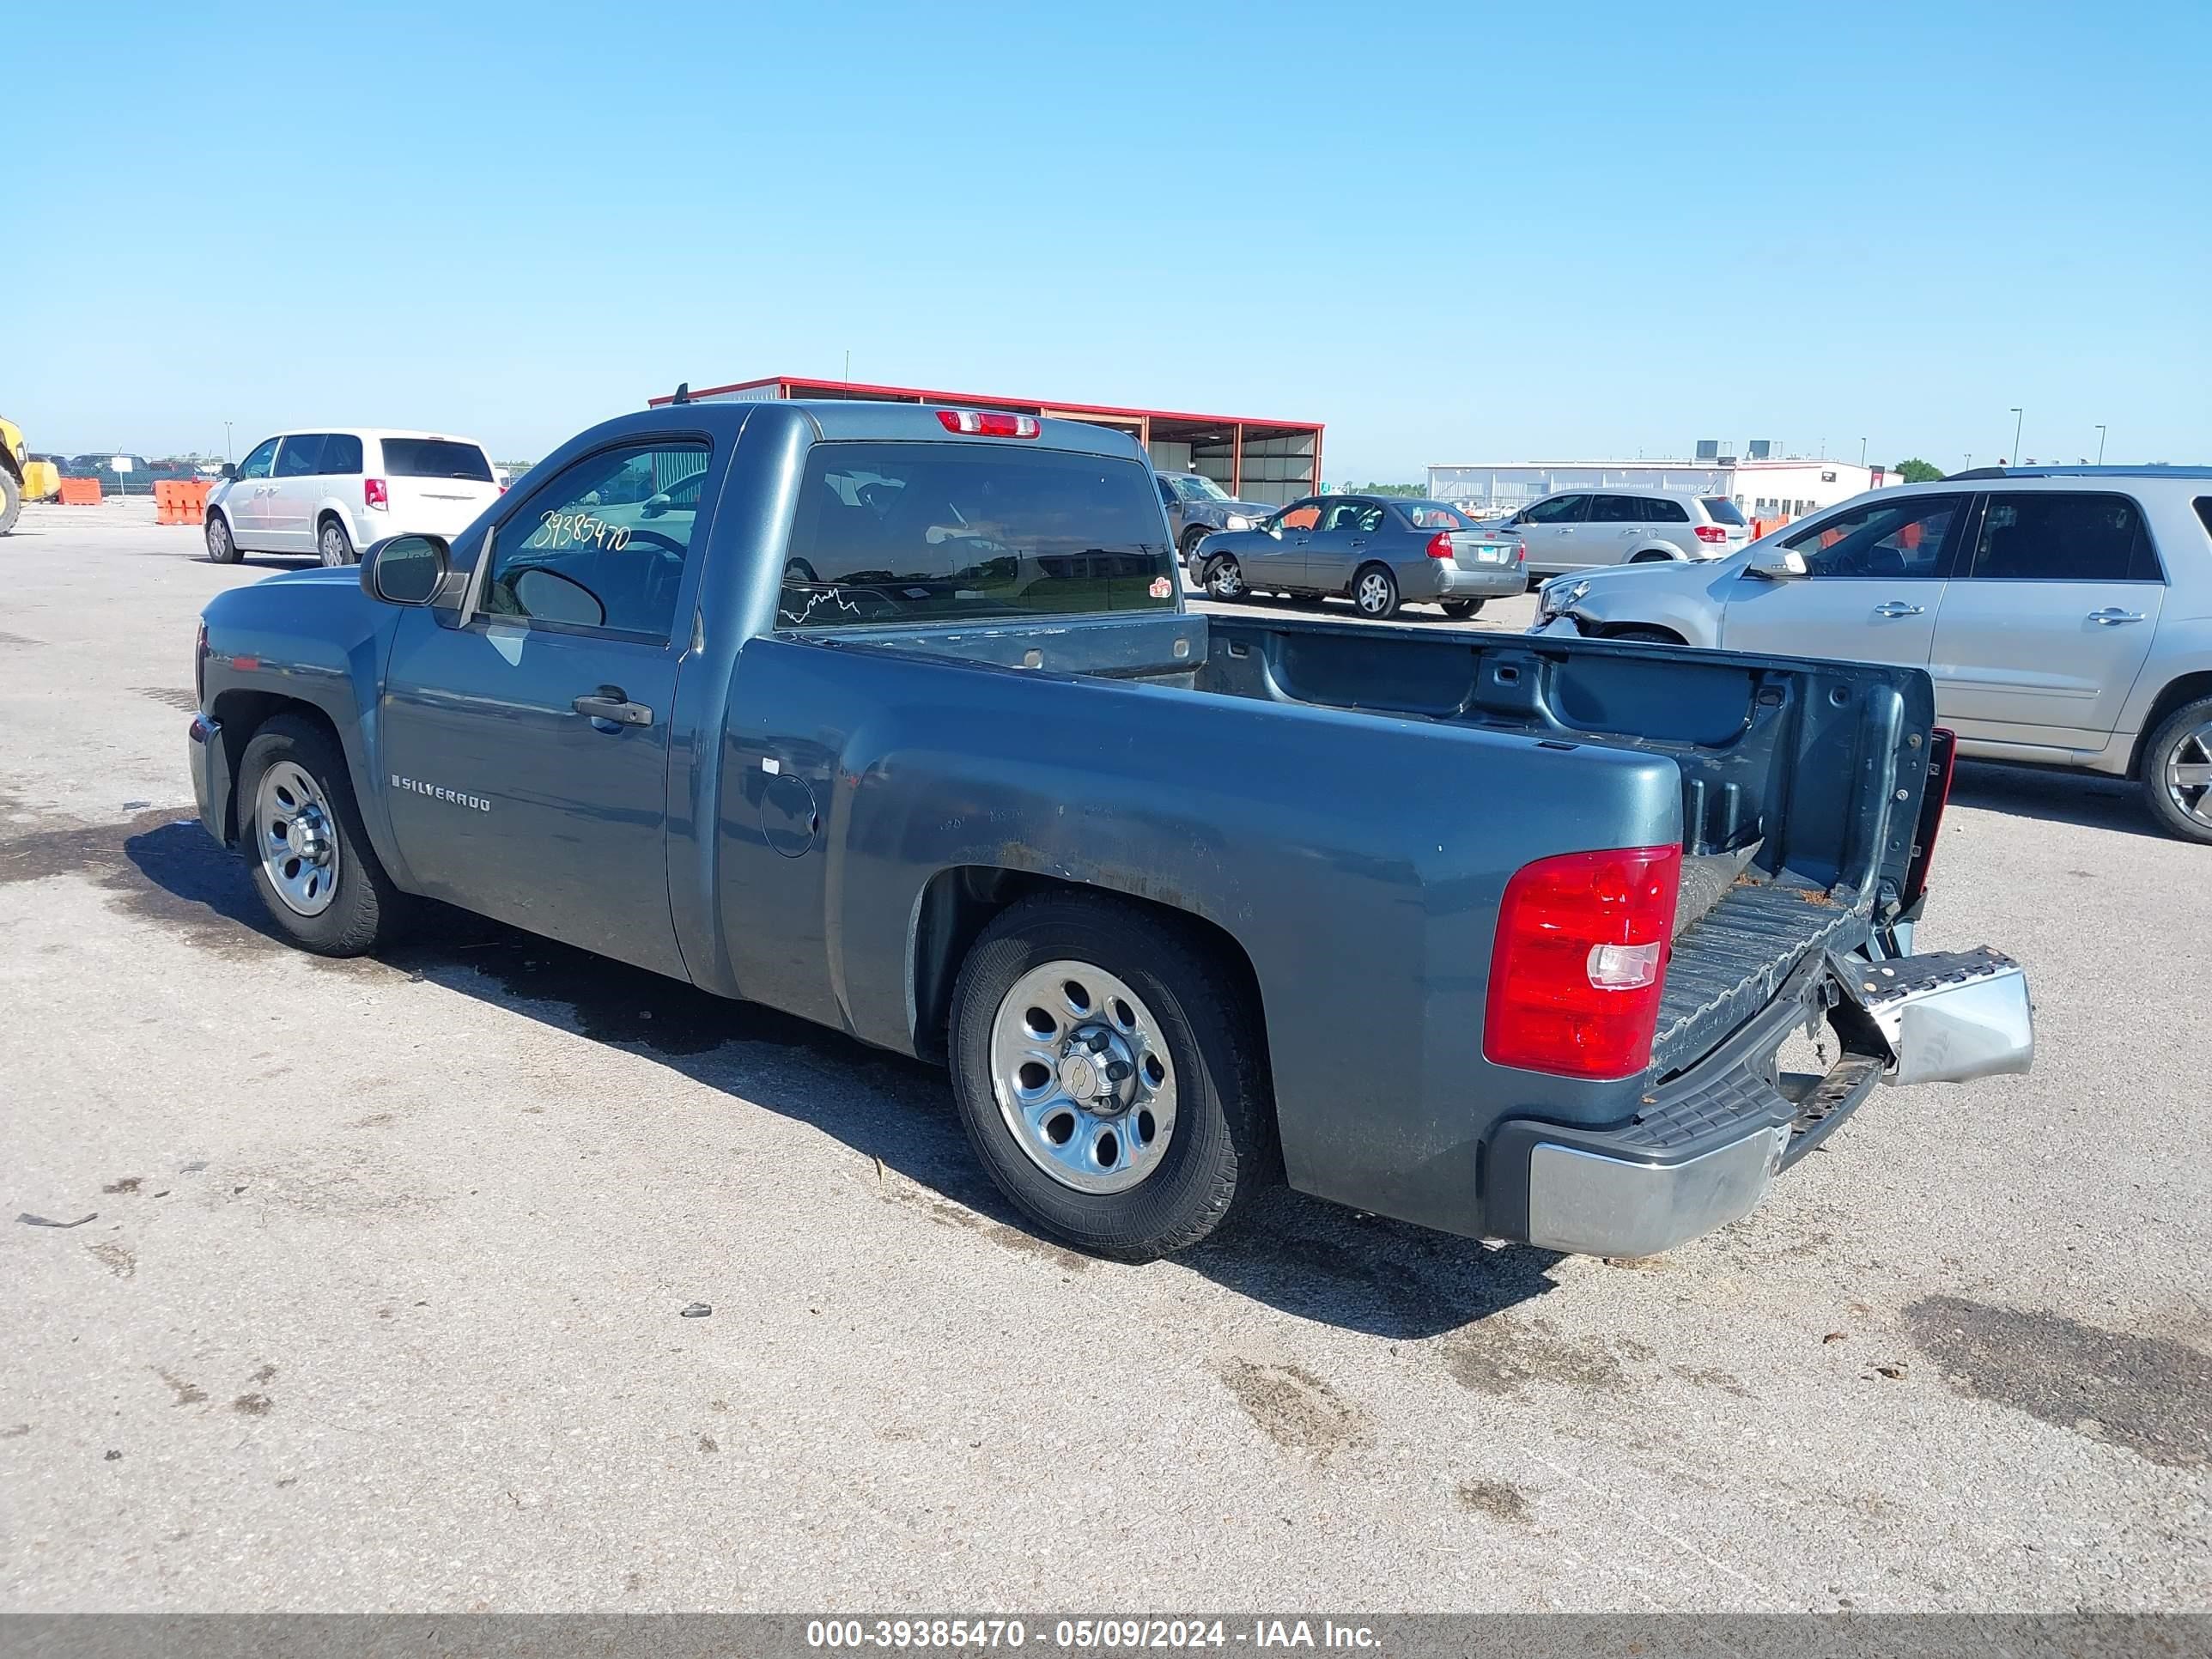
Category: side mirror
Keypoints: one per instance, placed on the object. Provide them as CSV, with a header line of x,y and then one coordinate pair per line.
x,y
1778,564
404,569
229,472
655,506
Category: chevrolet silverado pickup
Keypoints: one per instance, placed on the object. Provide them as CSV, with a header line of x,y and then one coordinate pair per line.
x,y
893,717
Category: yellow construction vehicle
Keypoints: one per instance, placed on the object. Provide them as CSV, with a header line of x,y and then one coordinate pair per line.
x,y
22,478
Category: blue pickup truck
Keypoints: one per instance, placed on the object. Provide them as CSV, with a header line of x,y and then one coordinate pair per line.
x,y
892,717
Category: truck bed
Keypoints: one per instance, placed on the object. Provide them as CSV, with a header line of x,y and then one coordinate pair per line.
x,y
1786,765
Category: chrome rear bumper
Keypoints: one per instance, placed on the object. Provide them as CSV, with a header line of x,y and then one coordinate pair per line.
x,y
1708,1144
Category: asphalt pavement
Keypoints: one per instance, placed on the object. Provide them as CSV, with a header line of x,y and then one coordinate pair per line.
x,y
361,1286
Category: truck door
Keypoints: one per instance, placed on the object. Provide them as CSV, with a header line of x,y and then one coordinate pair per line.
x,y
524,752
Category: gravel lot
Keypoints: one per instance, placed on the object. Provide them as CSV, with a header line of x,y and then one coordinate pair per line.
x,y
377,1305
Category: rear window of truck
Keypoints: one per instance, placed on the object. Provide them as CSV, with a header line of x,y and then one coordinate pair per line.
x,y
435,458
913,532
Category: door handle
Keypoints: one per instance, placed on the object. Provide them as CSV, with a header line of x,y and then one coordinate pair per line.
x,y
1361,543
2113,617
1898,608
609,704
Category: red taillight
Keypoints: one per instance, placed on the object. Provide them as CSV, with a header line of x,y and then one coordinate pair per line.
x,y
1440,546
1580,961
976,422
373,494
1711,532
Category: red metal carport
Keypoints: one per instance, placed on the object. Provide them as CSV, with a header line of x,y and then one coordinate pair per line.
x,y
1259,460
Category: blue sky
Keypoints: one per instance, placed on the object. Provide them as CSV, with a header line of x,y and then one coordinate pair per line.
x,y
1452,231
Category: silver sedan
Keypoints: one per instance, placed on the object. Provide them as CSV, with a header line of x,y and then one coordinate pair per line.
x,y
1379,551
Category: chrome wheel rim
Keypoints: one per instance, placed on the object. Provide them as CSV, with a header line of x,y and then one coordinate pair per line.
x,y
1082,1076
2189,773
333,545
298,839
1228,580
1374,592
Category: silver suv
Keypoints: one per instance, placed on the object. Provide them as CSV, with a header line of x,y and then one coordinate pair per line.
x,y
2064,613
1577,529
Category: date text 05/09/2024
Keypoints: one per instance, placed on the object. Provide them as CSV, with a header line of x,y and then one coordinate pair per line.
x,y
1089,1635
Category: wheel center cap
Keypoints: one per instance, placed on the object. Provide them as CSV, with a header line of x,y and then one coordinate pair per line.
x,y
1099,1071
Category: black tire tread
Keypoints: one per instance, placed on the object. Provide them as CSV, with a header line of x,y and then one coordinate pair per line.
x,y
2167,816
11,501
369,912
1188,974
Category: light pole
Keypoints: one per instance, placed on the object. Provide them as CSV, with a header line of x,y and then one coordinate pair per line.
x,y
1862,451
226,441
2100,446
2017,417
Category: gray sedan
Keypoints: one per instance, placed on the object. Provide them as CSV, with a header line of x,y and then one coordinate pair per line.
x,y
1377,551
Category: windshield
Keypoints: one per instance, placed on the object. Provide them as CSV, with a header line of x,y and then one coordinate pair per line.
x,y
1720,509
1436,515
1190,488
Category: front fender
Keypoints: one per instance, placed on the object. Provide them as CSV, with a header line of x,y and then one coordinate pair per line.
x,y
312,639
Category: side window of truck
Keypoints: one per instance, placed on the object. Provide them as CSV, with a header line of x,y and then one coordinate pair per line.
x,y
603,543
907,532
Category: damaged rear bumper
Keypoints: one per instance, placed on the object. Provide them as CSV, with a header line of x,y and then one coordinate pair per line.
x,y
1707,1143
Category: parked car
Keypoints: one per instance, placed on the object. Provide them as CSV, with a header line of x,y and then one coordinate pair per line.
x,y
2065,613
332,491
1576,529
119,472
1377,550
1491,936
1197,507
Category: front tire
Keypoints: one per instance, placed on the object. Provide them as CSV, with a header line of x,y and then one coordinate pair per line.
x,y
1109,1077
1224,579
1375,592
11,501
221,546
302,832
332,545
1191,539
1645,635
2176,772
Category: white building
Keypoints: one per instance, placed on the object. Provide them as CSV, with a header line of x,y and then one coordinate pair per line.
x,y
1765,489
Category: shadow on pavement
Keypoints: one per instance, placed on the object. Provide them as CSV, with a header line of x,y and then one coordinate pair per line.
x,y
2092,801
1297,1254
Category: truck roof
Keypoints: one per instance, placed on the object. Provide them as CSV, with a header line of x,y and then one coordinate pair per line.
x,y
845,419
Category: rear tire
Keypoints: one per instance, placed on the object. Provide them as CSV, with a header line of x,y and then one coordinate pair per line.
x,y
11,501
1224,579
309,810
1652,555
1460,609
2176,758
332,545
1375,592
221,546
1192,1055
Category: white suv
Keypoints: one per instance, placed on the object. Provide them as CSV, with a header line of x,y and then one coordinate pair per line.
x,y
2064,613
331,492
1576,529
